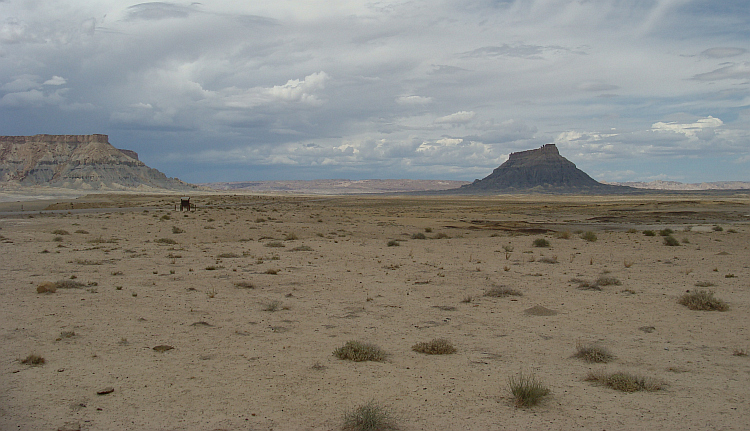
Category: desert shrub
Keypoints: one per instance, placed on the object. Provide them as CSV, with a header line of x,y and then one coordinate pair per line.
x,y
702,300
624,382
418,235
501,292
441,235
370,416
607,280
272,306
68,284
165,241
649,233
671,241
438,346
275,244
165,217
358,352
82,231
175,229
666,232
540,242
302,248
704,284
593,353
508,248
527,390
46,287
428,230
718,228
228,256
33,359
632,230
546,259
244,285
272,271
393,243
57,239
290,237
562,235
589,236
60,232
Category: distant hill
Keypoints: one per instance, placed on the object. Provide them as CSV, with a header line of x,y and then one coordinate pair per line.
x,y
542,170
337,187
81,162
674,185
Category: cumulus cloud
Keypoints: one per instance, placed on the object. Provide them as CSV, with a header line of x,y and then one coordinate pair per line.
x,y
414,100
56,81
689,129
300,91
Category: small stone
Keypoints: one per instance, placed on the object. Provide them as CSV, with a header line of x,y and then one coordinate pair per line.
x,y
105,391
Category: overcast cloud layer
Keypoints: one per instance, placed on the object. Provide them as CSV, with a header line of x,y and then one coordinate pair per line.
x,y
439,89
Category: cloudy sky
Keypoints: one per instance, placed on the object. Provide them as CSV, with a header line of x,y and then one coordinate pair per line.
x,y
225,90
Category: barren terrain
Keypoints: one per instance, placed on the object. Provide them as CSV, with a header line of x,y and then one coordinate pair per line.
x,y
254,294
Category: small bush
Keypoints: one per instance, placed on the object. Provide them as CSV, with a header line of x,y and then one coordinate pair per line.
x,y
358,352
228,256
606,280
441,235
393,243
540,242
82,231
593,353
418,235
718,228
527,390
666,232
562,235
165,217
369,417
290,237
649,233
438,346
272,306
175,230
671,241
702,300
244,285
33,360
501,292
545,259
624,382
589,236
165,241
275,244
302,248
60,232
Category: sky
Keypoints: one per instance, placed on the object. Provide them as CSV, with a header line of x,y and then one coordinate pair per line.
x,y
225,90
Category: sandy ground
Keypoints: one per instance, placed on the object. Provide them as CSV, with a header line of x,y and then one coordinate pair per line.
x,y
235,366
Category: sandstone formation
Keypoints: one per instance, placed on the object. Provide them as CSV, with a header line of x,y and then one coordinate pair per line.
x,y
542,170
86,162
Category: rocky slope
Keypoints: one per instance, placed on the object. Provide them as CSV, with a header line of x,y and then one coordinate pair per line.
x,y
83,162
542,170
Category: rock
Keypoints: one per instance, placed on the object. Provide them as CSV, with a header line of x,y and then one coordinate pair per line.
x,y
46,287
105,391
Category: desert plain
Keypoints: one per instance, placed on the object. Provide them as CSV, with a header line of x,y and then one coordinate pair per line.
x,y
252,294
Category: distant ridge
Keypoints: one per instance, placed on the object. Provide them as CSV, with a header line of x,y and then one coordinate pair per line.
x,y
542,170
674,185
81,162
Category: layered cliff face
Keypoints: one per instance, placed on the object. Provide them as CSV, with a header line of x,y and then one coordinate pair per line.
x,y
76,161
540,170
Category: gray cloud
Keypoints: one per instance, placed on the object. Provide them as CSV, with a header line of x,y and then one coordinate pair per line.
x,y
732,71
723,52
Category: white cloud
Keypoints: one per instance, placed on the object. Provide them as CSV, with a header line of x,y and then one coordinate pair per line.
x,y
300,91
723,52
689,129
55,80
461,117
413,100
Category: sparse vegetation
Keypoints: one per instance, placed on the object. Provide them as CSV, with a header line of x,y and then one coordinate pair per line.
x,y
177,230
167,241
33,359
272,306
501,292
589,236
441,235
370,416
649,233
562,235
359,352
275,244
671,241
244,284
60,232
739,352
82,231
666,232
593,353
418,235
393,243
702,300
546,259
540,242
624,382
527,390
228,256
437,346
718,228
704,284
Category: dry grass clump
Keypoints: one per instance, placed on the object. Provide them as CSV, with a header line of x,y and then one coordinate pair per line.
x,y
275,244
607,280
370,416
739,352
589,236
302,248
441,235
671,241
272,306
393,243
624,382
546,259
702,300
540,242
438,346
228,256
244,285
33,359
527,390
562,234
593,353
177,230
358,352
649,233
418,235
82,231
502,292
60,232
704,284
165,241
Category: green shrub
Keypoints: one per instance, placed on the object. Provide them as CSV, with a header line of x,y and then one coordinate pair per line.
x,y
541,242
358,352
437,346
175,230
393,243
275,244
165,241
369,417
666,232
671,241
703,300
60,232
418,235
527,390
589,236
649,233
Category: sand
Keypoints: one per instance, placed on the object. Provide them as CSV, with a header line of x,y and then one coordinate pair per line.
x,y
325,265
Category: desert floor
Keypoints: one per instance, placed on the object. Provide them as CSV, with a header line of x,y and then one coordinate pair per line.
x,y
203,282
